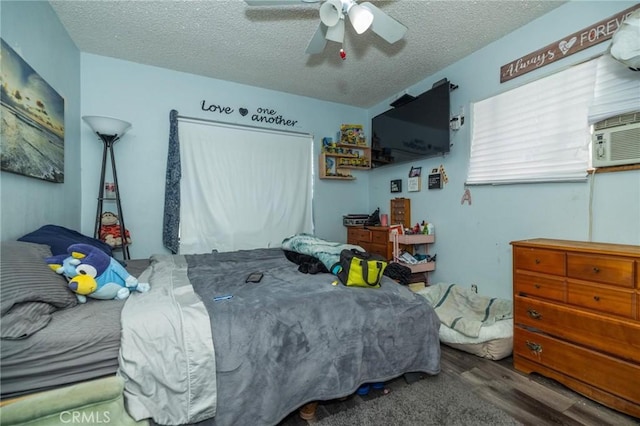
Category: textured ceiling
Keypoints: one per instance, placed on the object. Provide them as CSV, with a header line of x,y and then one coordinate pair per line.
x,y
265,46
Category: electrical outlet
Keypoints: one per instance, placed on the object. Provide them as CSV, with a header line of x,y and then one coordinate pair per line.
x,y
474,288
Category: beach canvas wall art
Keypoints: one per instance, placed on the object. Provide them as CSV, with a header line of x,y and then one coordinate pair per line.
x,y
32,121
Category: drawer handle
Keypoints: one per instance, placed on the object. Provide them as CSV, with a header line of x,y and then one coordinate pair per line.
x,y
596,269
596,298
534,347
537,261
534,314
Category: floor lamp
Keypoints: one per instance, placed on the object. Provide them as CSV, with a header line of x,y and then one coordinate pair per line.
x,y
109,130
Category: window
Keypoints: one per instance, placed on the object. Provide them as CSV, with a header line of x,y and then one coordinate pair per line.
x,y
242,187
535,133
540,132
617,90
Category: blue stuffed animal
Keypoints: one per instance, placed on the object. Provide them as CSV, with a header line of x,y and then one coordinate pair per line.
x,y
93,273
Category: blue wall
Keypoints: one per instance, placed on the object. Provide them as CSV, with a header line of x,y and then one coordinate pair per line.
x,y
33,30
144,95
472,241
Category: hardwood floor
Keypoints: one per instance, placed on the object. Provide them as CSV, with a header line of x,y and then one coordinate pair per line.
x,y
532,400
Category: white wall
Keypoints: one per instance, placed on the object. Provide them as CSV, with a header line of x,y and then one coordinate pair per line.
x,y
144,96
33,30
472,241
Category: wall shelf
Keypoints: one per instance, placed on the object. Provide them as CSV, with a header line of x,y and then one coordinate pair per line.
x,y
337,161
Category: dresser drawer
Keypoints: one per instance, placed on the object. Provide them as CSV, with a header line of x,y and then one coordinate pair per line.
x,y
618,377
600,298
380,237
617,337
358,234
604,269
539,260
380,249
537,285
352,234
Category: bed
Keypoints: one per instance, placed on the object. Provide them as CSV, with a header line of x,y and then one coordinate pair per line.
x,y
204,346
61,344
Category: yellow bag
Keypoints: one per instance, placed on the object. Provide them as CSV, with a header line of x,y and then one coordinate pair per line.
x,y
361,269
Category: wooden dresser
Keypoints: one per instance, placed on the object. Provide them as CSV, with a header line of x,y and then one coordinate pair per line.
x,y
577,317
374,239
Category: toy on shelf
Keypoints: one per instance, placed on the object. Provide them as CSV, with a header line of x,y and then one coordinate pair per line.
x,y
110,231
352,134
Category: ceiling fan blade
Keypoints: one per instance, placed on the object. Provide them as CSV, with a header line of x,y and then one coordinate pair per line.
x,y
318,41
384,25
336,33
277,2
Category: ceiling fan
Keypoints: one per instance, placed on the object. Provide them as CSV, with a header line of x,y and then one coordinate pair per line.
x,y
625,43
332,16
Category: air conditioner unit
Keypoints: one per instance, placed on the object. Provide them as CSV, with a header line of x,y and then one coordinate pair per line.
x,y
616,140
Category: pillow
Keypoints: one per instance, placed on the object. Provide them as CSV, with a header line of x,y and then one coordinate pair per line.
x,y
58,238
30,291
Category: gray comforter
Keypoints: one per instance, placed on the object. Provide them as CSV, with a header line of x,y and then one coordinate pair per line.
x,y
288,340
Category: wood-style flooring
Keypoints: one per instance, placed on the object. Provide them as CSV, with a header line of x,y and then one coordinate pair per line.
x,y
532,400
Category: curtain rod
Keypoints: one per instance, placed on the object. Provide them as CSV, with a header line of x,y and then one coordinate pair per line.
x,y
267,129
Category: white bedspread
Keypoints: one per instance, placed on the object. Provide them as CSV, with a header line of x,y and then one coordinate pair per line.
x,y
171,378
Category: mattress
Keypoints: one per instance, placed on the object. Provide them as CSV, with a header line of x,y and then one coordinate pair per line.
x,y
78,344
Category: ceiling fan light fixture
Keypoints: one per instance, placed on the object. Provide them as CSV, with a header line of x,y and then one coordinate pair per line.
x,y
625,43
331,12
336,33
361,18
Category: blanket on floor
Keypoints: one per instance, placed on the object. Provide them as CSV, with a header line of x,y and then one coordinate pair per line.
x,y
463,310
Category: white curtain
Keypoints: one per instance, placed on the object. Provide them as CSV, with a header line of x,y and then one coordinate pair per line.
x,y
242,187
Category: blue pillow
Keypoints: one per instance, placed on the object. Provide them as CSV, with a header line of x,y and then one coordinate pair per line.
x,y
59,238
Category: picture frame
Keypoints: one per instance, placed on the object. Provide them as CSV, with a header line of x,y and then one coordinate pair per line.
x,y
415,172
413,184
396,185
435,180
32,135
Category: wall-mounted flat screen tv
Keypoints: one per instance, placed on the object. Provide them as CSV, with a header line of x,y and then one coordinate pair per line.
x,y
413,130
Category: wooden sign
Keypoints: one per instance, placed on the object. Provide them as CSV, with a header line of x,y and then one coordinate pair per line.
x,y
590,36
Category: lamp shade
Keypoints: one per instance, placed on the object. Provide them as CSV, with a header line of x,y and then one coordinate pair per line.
x,y
361,18
107,125
330,12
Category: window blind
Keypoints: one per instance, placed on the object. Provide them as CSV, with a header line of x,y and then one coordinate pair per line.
x,y
534,133
617,90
